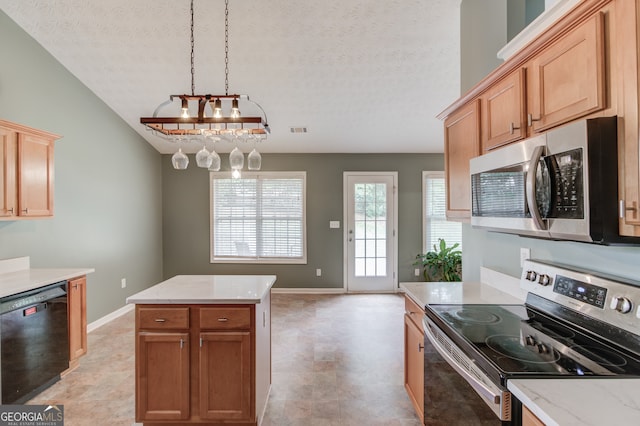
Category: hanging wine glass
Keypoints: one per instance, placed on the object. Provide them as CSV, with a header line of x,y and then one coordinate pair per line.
x,y
236,157
215,161
179,160
203,158
254,158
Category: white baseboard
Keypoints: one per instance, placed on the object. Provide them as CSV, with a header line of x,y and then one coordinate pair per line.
x,y
108,318
333,290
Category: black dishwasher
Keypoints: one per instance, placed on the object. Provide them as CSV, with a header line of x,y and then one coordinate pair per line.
x,y
34,341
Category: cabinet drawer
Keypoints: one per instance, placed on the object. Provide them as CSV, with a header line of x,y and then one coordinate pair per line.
x,y
217,318
413,311
163,318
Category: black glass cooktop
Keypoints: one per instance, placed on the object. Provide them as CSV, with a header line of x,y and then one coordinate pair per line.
x,y
515,340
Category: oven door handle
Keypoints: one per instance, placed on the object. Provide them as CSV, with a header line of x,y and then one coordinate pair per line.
x,y
479,387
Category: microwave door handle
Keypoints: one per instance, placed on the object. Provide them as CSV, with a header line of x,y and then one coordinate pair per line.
x,y
530,188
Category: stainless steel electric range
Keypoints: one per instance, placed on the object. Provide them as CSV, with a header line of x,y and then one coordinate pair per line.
x,y
574,324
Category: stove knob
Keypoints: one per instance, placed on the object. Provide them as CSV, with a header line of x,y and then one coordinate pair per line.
x,y
530,340
543,349
544,279
531,276
621,304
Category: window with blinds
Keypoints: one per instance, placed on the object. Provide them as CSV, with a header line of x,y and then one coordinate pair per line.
x,y
259,218
436,226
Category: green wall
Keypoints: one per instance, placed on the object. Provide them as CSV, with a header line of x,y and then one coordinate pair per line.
x,y
107,179
186,215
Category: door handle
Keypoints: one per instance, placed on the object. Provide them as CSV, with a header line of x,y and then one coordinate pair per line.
x,y
530,188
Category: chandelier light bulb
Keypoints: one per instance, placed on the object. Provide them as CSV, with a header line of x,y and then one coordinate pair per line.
x,y
179,160
185,109
235,111
217,109
236,159
236,174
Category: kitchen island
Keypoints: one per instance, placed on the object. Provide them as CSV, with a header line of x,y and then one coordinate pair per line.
x,y
203,350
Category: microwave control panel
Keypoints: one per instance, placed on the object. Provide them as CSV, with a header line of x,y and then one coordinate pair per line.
x,y
566,173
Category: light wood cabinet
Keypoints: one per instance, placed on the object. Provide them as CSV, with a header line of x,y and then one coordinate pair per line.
x,y
504,112
225,375
162,376
218,356
567,79
414,355
461,143
530,419
26,172
77,312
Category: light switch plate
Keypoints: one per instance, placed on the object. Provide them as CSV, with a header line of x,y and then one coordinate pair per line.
x,y
334,224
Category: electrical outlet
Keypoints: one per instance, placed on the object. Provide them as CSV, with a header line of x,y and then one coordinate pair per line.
x,y
417,272
318,272
525,253
123,282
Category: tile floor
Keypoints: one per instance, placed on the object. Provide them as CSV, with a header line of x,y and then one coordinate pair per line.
x,y
337,360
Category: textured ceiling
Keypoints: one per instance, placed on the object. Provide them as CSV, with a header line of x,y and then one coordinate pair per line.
x,y
361,75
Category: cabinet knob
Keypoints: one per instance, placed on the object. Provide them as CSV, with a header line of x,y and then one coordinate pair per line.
x,y
25,210
223,319
420,347
513,128
10,210
160,320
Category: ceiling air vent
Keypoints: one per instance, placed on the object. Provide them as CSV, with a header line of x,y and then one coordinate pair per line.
x,y
301,129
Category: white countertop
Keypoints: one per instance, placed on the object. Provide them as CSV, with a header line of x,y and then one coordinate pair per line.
x,y
17,276
194,289
582,402
457,292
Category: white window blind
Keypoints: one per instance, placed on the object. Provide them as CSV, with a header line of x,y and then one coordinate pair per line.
x,y
259,218
436,226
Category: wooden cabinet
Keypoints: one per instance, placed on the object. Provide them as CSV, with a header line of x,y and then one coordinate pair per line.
x,y
461,143
530,419
225,375
567,80
414,355
162,376
77,312
202,364
26,172
504,112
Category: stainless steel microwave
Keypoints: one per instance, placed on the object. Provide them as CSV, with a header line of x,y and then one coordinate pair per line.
x,y
561,185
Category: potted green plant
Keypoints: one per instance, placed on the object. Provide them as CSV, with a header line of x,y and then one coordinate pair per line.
x,y
442,264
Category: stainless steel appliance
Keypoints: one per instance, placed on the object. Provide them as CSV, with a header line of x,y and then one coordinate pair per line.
x,y
574,324
560,185
34,341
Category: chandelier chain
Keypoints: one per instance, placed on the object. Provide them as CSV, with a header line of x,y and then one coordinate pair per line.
x,y
193,70
226,47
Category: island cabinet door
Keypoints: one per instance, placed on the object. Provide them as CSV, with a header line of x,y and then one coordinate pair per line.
x,y
162,376
226,376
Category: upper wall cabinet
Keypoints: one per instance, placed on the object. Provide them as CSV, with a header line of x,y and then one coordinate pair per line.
x,y
26,172
461,143
567,79
503,112
572,70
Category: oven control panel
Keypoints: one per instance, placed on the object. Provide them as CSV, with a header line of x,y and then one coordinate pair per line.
x,y
584,292
614,300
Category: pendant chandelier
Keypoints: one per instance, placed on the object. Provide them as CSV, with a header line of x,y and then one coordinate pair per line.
x,y
211,118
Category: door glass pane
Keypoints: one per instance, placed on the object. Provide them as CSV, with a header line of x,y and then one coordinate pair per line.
x,y
370,229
